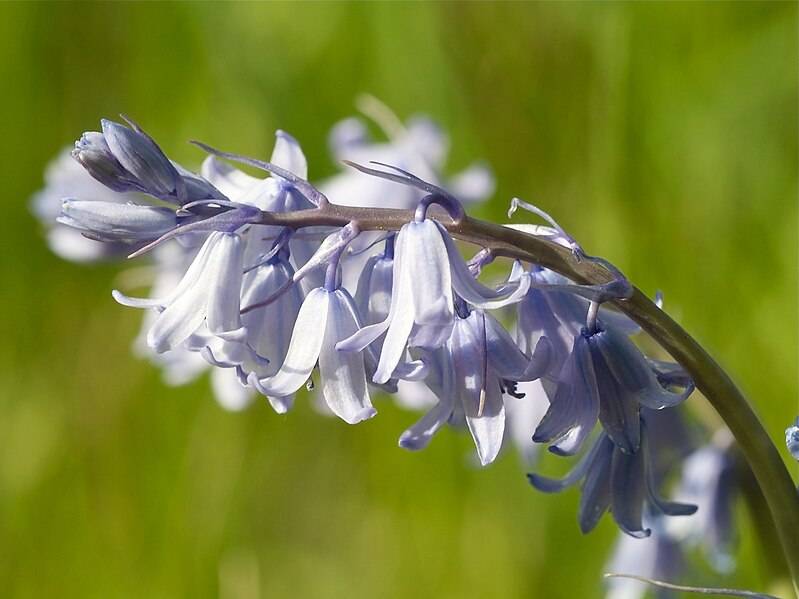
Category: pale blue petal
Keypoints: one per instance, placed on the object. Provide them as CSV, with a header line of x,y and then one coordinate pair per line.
x,y
487,425
343,374
575,406
419,434
430,336
505,357
270,328
194,271
117,222
792,439
179,320
467,287
281,404
229,180
425,270
288,155
141,157
575,475
303,352
224,272
628,492
633,373
619,413
400,319
596,490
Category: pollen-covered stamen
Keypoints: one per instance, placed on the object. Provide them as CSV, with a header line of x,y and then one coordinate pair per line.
x,y
511,388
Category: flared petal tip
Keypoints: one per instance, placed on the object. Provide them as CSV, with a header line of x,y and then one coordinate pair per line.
x,y
411,443
485,460
364,414
281,405
236,336
545,484
559,451
637,534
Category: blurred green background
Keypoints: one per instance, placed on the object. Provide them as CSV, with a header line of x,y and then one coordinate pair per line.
x,y
661,135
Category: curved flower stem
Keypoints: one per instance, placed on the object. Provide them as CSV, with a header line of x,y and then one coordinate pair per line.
x,y
757,448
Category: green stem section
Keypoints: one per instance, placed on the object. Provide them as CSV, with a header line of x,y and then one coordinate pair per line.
x,y
760,453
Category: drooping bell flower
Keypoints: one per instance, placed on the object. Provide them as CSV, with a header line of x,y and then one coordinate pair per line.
x,y
605,378
469,375
624,482
208,293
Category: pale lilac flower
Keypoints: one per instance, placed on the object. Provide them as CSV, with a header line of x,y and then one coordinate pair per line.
x,y
428,272
65,177
419,146
208,292
275,193
605,378
623,482
373,294
127,159
548,311
270,327
325,318
112,221
469,376
709,480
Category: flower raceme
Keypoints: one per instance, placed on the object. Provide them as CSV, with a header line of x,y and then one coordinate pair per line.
x,y
255,291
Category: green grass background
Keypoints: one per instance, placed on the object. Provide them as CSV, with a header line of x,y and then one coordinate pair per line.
x,y
662,135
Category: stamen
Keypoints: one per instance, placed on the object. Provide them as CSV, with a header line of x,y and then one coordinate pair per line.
x,y
484,358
